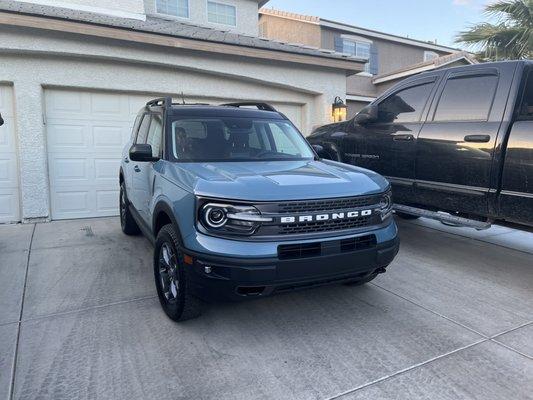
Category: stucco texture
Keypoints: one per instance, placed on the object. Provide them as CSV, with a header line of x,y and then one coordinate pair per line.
x,y
33,60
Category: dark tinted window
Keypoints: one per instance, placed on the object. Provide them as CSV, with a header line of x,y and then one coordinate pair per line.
x,y
143,130
467,98
405,105
526,108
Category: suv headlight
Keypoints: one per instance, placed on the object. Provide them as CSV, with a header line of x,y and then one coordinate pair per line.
x,y
385,205
225,218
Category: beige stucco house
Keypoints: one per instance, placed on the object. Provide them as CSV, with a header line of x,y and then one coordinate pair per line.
x,y
75,72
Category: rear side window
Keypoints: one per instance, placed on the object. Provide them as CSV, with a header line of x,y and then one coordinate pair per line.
x,y
467,98
405,105
526,107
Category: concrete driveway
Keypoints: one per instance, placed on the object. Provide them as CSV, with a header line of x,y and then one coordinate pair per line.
x,y
453,319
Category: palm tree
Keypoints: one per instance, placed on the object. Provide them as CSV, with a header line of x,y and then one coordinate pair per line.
x,y
509,37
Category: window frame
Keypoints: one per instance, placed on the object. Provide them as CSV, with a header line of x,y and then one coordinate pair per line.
x,y
432,80
356,43
171,16
465,75
224,4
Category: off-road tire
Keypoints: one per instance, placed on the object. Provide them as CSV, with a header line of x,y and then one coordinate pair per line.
x,y
185,305
127,222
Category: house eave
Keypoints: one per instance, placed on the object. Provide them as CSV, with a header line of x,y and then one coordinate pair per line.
x,y
349,66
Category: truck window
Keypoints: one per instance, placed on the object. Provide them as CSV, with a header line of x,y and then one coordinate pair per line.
x,y
467,98
526,107
404,106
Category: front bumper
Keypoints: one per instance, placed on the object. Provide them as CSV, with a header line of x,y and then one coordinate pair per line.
x,y
312,264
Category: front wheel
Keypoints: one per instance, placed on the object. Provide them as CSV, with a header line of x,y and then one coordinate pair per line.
x,y
172,278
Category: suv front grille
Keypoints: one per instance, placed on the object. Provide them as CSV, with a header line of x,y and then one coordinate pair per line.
x,y
299,208
323,226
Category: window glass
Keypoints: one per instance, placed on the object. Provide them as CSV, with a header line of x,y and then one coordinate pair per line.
x,y
358,49
237,139
219,13
177,8
430,55
405,105
467,98
143,130
135,127
526,108
155,136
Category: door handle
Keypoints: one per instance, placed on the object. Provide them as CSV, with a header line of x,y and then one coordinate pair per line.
x,y
404,137
126,160
136,168
477,138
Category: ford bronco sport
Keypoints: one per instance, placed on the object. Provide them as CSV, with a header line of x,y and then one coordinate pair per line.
x,y
239,205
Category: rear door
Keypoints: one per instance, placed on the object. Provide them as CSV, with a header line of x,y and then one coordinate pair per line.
x,y
456,146
388,146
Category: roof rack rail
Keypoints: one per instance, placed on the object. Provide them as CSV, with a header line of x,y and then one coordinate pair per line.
x,y
260,106
160,101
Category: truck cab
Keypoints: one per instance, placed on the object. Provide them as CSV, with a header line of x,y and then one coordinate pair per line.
x,y
458,140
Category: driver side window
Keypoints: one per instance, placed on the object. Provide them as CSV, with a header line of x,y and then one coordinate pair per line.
x,y
404,106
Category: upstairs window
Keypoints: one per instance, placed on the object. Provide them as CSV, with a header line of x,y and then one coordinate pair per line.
x,y
430,55
218,13
358,49
176,8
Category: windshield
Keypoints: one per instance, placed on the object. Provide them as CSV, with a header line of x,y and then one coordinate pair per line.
x,y
237,139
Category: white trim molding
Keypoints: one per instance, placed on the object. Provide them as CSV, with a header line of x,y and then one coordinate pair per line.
x,y
366,99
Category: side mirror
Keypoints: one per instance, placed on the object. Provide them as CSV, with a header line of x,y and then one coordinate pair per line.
x,y
1,120
322,153
142,153
367,115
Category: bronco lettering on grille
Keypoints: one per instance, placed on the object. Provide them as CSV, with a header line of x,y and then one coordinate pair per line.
x,y
325,217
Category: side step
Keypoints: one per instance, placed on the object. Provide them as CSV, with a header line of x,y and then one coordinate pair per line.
x,y
443,217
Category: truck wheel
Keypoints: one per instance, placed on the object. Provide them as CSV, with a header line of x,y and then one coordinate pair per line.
x,y
172,278
127,223
407,216
359,282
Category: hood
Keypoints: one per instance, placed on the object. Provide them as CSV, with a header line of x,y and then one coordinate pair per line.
x,y
275,180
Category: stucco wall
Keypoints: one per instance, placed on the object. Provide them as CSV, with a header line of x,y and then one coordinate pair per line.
x,y
247,15
120,8
34,59
290,30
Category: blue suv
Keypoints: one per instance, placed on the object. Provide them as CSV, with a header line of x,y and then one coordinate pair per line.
x,y
239,205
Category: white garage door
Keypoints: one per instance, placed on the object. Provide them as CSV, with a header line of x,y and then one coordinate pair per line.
x,y
86,132
9,179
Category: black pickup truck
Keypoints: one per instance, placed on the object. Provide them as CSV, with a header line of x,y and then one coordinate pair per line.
x,y
457,140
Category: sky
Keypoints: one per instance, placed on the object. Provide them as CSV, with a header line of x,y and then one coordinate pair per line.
x,y
438,20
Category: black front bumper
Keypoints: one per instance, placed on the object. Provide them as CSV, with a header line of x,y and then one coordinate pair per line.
x,y
239,278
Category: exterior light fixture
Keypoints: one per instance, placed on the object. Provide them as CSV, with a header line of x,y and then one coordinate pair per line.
x,y
339,110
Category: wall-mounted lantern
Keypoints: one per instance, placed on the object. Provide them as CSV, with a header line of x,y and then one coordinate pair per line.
x,y
339,110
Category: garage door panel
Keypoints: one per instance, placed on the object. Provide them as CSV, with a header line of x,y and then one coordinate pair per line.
x,y
9,179
85,143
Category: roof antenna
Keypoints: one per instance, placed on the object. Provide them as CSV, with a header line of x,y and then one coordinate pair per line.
x,y
182,98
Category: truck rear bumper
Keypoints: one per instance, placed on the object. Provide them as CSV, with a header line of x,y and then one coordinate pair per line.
x,y
294,268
